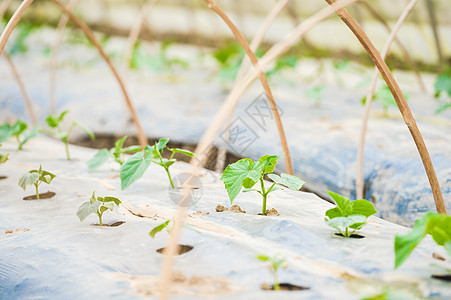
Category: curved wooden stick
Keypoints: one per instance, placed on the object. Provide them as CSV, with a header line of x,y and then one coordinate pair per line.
x,y
141,137
400,101
403,49
12,23
54,55
25,95
263,80
359,182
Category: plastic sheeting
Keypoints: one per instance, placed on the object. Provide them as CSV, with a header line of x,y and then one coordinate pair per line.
x,y
61,258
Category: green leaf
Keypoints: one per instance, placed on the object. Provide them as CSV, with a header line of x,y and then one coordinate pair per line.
x,y
5,132
3,158
107,205
119,143
343,204
134,168
112,199
168,162
18,128
268,163
46,177
240,174
28,179
131,149
362,207
98,159
340,223
183,151
290,181
158,228
443,84
85,129
29,136
87,208
52,121
262,257
93,197
443,107
161,144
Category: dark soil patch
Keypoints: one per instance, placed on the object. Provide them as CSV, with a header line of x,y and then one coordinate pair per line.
x,y
115,224
446,277
353,236
107,141
42,196
181,249
3,177
284,287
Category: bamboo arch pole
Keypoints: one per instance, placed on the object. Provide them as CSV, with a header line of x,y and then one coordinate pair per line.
x,y
278,49
62,24
400,101
369,99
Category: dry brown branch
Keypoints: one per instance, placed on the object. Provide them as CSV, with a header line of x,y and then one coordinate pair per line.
x,y
369,99
23,90
54,55
400,101
141,137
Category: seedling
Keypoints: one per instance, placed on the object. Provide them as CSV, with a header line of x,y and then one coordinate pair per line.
x,y
245,173
97,205
385,97
275,263
117,153
437,225
19,131
348,217
35,177
442,89
137,164
159,62
55,123
315,93
3,157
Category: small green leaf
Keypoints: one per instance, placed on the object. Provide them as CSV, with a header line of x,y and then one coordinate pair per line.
x,y
46,177
267,163
161,144
107,205
443,84
3,158
131,149
158,228
119,143
29,136
112,199
98,159
28,179
104,208
19,128
363,207
86,209
343,203
290,181
183,151
262,257
93,197
168,162
134,168
52,121
5,132
85,129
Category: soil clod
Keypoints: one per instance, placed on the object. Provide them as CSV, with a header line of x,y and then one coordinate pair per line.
x,y
284,287
234,208
438,256
17,230
3,177
353,236
181,249
444,277
270,212
42,196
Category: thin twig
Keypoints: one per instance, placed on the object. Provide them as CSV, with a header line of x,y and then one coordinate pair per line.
x,y
54,55
400,101
434,27
141,137
25,95
369,99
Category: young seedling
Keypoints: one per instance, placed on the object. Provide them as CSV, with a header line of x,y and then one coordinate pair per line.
x,y
442,89
3,157
117,153
385,97
19,131
275,262
137,164
348,217
245,173
35,177
55,123
437,225
97,205
160,227
315,93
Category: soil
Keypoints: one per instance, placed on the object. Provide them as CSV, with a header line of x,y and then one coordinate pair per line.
x,y
445,277
438,256
200,213
181,285
284,287
270,212
181,249
42,196
234,208
3,177
107,141
17,230
354,235
115,224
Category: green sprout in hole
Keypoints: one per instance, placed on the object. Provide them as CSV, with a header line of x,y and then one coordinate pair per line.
x,y
137,164
117,153
35,177
348,217
97,205
437,225
386,99
55,123
245,173
275,262
19,131
3,157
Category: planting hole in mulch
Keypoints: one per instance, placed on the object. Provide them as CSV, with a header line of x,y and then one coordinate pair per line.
x,y
3,177
284,287
444,277
115,224
181,249
270,213
42,196
354,235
